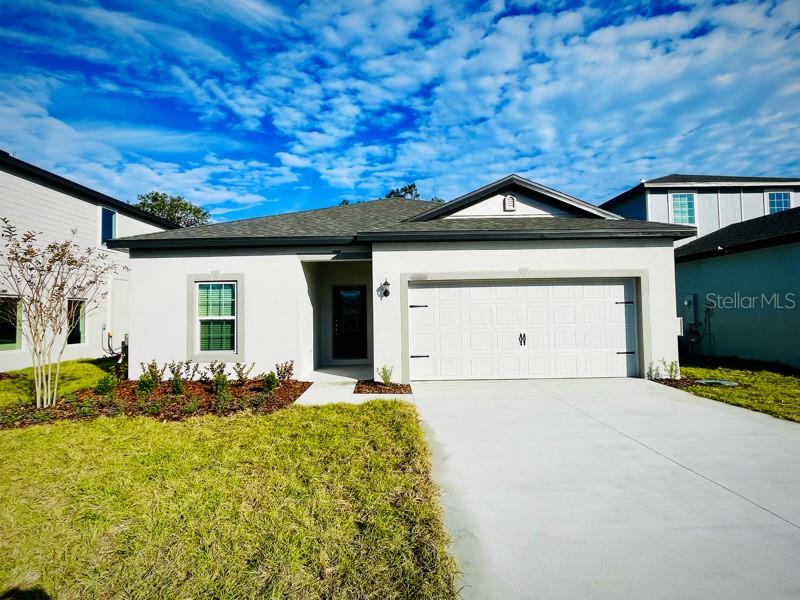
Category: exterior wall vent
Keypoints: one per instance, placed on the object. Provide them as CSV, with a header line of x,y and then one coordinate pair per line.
x,y
509,203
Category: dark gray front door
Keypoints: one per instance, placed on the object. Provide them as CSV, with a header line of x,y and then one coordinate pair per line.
x,y
349,321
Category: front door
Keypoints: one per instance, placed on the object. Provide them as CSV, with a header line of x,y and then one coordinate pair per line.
x,y
349,322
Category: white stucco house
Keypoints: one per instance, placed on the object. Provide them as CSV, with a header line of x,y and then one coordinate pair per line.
x,y
34,199
513,280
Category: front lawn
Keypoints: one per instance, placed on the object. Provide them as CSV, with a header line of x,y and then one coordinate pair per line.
x,y
16,387
309,502
766,388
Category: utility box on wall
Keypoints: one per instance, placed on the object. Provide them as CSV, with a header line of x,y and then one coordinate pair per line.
x,y
689,312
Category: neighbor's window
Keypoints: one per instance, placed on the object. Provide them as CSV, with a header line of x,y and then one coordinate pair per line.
x,y
76,309
779,201
216,316
10,325
683,208
109,225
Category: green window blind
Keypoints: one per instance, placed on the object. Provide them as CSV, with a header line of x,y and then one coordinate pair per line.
x,y
216,309
217,300
216,335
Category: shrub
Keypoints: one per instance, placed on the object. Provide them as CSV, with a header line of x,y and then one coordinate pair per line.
x,y
191,405
152,408
285,370
219,387
107,384
175,368
146,385
269,382
83,407
176,384
385,373
191,370
242,371
215,368
153,370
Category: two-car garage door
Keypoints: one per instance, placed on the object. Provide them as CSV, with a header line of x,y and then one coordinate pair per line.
x,y
523,329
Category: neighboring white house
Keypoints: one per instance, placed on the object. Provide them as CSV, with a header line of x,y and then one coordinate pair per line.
x,y
36,200
513,280
709,202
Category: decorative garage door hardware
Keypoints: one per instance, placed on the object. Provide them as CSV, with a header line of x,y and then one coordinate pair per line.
x,y
628,352
625,302
523,339
420,356
417,306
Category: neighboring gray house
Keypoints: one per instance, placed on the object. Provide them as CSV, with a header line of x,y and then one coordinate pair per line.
x,y
709,202
513,280
739,290
36,200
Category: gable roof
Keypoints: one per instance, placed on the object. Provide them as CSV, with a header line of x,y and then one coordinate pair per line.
x,y
718,179
762,232
390,219
516,183
684,180
20,168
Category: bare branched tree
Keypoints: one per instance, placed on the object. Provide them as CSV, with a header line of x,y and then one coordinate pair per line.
x,y
55,284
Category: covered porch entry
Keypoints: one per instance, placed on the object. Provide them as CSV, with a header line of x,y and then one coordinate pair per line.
x,y
340,291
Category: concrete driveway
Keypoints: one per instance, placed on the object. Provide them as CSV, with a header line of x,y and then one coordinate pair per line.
x,y
613,488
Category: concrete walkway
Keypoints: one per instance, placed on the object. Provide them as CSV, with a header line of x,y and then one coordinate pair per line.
x,y
337,384
617,488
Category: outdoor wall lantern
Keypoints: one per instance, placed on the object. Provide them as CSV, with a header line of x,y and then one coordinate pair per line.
x,y
383,289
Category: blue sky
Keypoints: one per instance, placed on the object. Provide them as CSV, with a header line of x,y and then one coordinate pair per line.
x,y
250,108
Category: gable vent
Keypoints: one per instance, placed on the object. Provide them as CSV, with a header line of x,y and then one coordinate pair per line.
x,y
509,203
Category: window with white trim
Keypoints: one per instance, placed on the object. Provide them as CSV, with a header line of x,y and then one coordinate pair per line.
x,y
779,201
216,316
683,210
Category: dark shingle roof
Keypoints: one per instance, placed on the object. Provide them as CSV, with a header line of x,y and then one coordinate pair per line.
x,y
525,228
770,230
336,224
682,178
389,219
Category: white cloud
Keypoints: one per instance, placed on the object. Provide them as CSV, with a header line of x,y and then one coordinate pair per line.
x,y
369,94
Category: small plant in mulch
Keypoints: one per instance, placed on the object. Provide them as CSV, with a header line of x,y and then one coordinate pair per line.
x,y
146,396
384,386
285,370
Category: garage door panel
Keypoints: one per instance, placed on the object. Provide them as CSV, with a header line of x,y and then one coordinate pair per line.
x,y
450,316
506,316
450,342
480,316
509,367
571,329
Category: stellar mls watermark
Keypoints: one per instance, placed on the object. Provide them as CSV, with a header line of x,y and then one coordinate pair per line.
x,y
763,301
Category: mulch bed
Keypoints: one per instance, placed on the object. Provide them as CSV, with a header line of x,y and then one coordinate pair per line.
x,y
197,399
367,386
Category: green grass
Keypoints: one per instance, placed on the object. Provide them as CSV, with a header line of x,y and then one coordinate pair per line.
x,y
765,388
309,502
75,375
